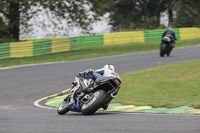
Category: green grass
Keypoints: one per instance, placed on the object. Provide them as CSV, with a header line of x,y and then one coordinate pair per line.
x,y
93,52
165,86
170,86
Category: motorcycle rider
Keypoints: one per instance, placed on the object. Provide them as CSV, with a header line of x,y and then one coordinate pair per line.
x,y
94,74
91,75
170,33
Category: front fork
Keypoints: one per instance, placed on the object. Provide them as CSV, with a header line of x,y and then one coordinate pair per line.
x,y
73,104
72,93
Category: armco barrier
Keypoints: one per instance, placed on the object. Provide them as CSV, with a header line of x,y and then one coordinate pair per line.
x,y
73,43
4,50
57,44
88,40
33,48
41,47
60,45
156,35
189,33
123,37
22,49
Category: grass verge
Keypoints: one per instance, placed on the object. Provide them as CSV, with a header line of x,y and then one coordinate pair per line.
x,y
169,86
93,52
165,86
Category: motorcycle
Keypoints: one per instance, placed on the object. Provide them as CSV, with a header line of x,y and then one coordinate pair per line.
x,y
165,47
104,89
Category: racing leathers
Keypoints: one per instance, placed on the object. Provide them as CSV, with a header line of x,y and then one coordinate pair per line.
x,y
171,34
91,74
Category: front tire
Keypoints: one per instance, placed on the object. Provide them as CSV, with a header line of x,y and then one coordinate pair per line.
x,y
97,100
64,106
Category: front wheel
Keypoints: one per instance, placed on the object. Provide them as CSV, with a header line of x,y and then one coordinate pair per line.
x,y
94,103
64,106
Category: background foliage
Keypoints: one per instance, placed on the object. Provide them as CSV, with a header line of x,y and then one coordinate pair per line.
x,y
65,15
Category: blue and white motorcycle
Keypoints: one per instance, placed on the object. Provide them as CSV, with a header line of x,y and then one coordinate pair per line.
x,y
104,89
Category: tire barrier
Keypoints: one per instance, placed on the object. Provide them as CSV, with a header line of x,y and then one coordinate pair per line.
x,y
41,46
123,37
34,48
189,33
156,35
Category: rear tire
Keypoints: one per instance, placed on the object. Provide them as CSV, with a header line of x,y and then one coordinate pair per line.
x,y
169,51
162,50
162,54
97,101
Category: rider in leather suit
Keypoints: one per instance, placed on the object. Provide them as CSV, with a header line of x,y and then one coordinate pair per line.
x,y
94,74
170,33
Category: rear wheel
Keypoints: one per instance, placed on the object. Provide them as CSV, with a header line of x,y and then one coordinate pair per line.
x,y
95,102
162,54
169,51
162,50
64,106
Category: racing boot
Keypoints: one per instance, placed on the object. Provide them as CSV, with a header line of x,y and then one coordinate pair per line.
x,y
105,106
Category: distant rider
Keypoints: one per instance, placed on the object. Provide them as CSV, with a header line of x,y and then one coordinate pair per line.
x,y
170,33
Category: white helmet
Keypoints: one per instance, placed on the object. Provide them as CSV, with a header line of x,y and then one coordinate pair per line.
x,y
109,67
169,28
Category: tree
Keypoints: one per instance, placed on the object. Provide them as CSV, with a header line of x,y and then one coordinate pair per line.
x,y
190,8
136,14
183,20
76,13
169,7
145,14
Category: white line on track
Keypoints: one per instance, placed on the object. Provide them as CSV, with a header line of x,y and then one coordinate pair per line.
x,y
36,103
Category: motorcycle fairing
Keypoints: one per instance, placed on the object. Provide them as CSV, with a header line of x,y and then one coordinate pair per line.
x,y
75,107
108,83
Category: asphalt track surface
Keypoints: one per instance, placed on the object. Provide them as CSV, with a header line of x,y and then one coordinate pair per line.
x,y
21,86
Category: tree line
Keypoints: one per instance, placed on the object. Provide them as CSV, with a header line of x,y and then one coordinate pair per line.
x,y
124,15
145,14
